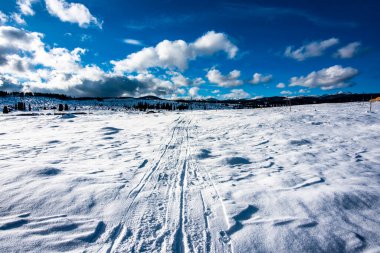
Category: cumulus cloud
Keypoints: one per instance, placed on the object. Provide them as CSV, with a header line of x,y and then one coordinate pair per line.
x,y
334,77
281,85
181,91
260,78
16,17
166,54
72,13
348,51
13,39
236,94
286,92
213,42
175,54
27,64
198,81
27,60
230,80
193,92
3,18
108,86
9,85
25,7
178,79
303,91
313,49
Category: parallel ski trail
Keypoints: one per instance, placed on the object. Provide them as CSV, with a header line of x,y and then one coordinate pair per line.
x,y
215,212
175,207
121,231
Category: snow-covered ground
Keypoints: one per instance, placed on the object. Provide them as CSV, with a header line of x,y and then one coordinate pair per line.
x,y
263,180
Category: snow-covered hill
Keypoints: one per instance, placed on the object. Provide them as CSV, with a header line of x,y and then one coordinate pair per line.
x,y
263,180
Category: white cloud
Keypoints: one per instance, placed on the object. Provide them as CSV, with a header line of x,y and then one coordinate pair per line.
x,y
303,91
281,85
178,79
236,94
27,64
172,53
260,78
133,42
215,91
13,39
213,42
193,92
286,92
198,81
151,84
175,54
348,51
139,61
230,80
72,13
18,19
313,49
334,77
25,7
27,60
3,18
181,91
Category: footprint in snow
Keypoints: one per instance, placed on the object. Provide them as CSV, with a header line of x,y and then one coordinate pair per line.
x,y
245,214
204,153
300,142
237,161
110,130
48,172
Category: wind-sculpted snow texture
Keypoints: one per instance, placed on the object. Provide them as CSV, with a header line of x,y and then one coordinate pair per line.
x,y
263,180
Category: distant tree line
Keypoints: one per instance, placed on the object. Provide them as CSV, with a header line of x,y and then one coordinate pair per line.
x,y
301,100
200,104
21,106
144,106
62,107
34,94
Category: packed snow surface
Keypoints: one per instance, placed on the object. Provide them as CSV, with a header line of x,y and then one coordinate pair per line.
x,y
262,180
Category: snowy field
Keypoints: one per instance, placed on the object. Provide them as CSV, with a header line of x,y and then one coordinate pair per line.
x,y
263,180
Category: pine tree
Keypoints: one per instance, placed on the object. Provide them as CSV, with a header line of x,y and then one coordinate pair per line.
x,y
20,106
5,110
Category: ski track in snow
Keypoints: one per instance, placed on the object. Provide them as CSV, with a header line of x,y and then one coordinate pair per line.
x,y
162,213
214,181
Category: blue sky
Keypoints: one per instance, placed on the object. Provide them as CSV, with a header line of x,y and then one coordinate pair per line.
x,y
222,49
